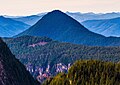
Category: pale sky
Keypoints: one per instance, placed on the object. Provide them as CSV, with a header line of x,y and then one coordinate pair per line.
x,y
28,7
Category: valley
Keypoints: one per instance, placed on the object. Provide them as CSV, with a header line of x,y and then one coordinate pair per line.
x,y
60,48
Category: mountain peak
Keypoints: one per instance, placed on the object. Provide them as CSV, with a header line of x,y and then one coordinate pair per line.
x,y
56,11
59,26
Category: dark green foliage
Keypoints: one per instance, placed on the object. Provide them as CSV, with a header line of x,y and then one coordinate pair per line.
x,y
89,72
55,52
60,79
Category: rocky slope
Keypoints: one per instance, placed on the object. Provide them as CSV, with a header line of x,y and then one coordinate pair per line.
x,y
12,72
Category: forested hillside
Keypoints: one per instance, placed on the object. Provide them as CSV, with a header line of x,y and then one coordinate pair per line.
x,y
88,72
43,51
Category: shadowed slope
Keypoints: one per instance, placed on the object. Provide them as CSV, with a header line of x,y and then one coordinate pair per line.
x,y
12,72
59,26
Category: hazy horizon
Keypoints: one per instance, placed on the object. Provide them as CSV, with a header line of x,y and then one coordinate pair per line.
x,y
31,7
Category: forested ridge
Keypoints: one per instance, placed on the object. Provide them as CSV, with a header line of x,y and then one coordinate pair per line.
x,y
88,72
53,52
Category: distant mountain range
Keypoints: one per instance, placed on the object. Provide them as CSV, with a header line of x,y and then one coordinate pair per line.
x,y
106,27
59,26
12,72
30,20
10,27
80,17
